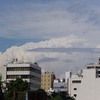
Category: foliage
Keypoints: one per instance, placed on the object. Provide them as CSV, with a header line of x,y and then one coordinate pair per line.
x,y
14,86
60,96
39,94
1,94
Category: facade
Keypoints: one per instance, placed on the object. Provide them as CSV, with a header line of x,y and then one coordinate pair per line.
x,y
86,84
47,79
27,71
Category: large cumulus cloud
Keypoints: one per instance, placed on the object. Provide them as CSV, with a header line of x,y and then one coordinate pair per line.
x,y
54,53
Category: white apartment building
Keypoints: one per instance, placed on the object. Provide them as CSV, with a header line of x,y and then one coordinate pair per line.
x,y
25,70
86,84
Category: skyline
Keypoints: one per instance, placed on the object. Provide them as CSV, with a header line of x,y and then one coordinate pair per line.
x,y
48,30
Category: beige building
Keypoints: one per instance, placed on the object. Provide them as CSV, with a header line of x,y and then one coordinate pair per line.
x,y
47,79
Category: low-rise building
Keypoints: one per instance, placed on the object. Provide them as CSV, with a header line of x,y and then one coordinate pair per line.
x,y
60,84
25,70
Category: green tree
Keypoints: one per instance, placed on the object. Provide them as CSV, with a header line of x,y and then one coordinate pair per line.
x,y
1,93
16,86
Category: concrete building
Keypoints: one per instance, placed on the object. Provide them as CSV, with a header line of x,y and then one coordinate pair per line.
x,y
86,84
47,80
25,70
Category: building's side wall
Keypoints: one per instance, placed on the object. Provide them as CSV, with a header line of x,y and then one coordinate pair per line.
x,y
89,87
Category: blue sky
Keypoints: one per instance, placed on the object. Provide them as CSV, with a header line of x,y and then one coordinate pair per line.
x,y
50,18
48,25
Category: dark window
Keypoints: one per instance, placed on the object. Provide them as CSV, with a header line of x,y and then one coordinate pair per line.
x,y
75,88
98,72
76,81
90,67
75,95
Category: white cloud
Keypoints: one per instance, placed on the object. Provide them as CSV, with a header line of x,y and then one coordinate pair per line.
x,y
46,59
63,42
57,54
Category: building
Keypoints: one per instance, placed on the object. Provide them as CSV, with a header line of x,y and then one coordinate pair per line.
x,y
25,70
86,84
67,75
47,79
59,85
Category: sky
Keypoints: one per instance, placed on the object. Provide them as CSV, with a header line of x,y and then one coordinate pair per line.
x,y
61,35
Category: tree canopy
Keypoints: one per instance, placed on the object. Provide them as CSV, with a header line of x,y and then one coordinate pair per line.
x,y
15,86
60,96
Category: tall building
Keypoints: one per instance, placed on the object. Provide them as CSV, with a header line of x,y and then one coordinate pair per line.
x,y
86,84
25,70
47,79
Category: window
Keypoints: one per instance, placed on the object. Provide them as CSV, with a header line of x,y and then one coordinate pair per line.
x,y
75,95
75,88
98,72
76,81
18,68
90,67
